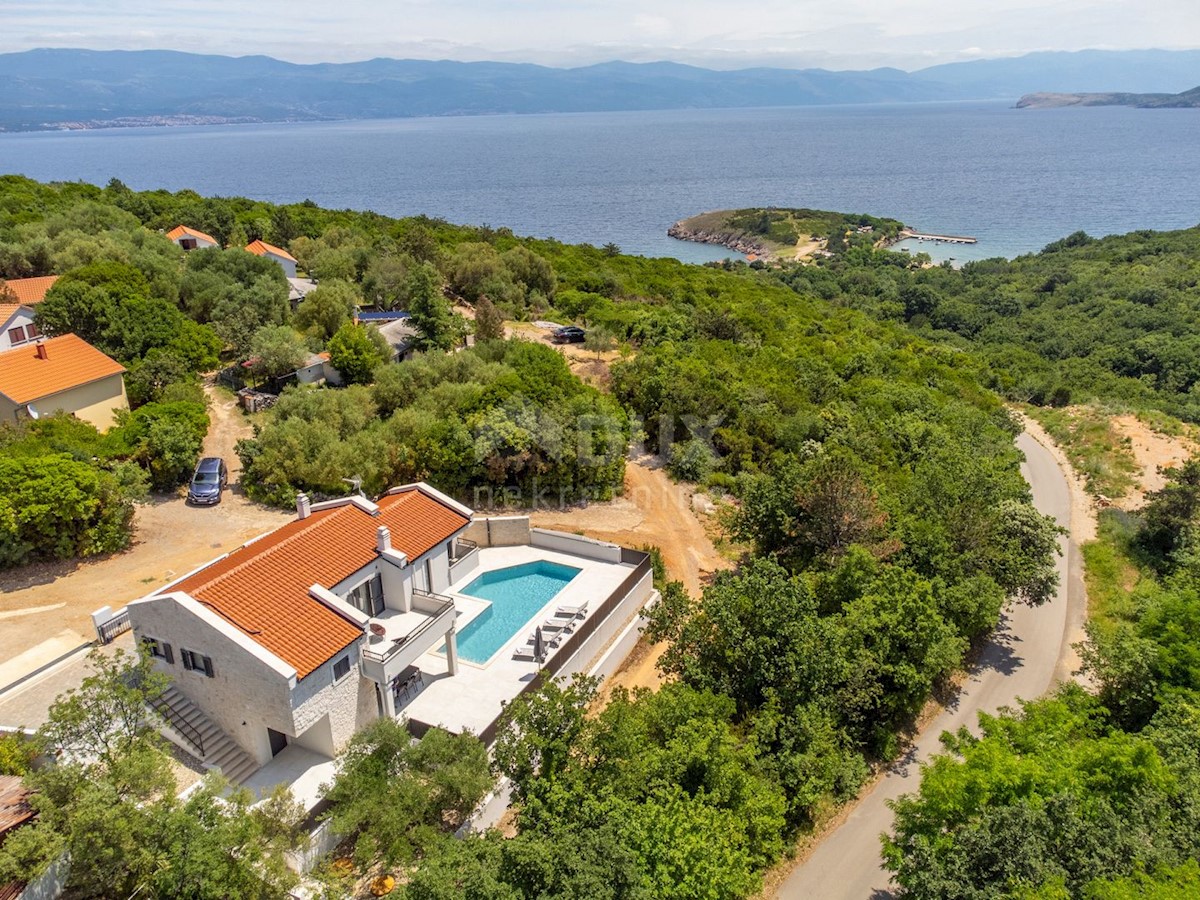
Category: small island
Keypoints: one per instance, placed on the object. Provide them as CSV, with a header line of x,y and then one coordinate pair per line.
x,y
775,234
1185,100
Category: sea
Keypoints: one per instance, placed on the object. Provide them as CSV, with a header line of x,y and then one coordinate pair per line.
x,y
1014,179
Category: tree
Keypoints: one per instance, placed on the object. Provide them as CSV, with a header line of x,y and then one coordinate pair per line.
x,y
599,340
394,795
104,720
110,801
323,311
54,507
489,323
539,731
278,351
428,309
1171,514
355,354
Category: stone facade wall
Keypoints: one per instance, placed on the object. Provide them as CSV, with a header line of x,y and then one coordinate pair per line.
x,y
331,710
244,688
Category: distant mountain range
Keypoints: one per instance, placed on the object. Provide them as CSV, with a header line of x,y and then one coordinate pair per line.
x,y
89,89
1186,100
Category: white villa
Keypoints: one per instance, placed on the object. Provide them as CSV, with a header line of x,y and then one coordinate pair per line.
x,y
279,651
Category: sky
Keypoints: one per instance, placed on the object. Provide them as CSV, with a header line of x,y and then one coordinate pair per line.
x,y
836,34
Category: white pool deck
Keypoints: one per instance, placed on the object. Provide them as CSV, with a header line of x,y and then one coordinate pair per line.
x,y
475,696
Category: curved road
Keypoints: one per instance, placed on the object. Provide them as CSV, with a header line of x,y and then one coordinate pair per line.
x,y
1030,652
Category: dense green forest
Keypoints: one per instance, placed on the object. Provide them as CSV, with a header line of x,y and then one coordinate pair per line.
x,y
1115,318
1085,794
866,449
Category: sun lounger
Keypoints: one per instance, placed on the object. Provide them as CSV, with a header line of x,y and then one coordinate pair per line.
x,y
571,611
524,653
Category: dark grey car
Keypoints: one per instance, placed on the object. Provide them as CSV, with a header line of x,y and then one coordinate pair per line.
x,y
208,481
568,334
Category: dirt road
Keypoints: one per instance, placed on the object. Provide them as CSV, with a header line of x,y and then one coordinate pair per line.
x,y
51,603
1029,653
653,511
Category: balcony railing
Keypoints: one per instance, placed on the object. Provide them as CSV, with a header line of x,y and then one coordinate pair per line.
x,y
461,551
435,605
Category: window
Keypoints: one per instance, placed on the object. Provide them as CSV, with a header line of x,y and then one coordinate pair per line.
x,y
368,596
194,662
16,335
32,331
341,668
159,649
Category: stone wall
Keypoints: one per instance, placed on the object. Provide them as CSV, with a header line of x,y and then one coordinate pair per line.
x,y
499,531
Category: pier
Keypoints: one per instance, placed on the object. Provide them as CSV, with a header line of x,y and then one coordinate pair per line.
x,y
907,233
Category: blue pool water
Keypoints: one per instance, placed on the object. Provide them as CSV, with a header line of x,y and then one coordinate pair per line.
x,y
516,594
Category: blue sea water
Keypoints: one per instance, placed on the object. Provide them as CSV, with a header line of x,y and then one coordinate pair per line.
x,y
1016,179
516,594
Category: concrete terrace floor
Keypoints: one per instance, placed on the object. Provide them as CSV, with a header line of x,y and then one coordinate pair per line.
x,y
474,697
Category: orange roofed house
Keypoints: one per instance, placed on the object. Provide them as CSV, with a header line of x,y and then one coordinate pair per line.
x,y
61,374
303,636
191,239
17,300
270,251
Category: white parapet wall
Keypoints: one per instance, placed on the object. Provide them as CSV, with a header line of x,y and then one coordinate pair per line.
x,y
576,544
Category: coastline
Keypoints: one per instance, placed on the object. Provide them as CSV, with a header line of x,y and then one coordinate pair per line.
x,y
739,243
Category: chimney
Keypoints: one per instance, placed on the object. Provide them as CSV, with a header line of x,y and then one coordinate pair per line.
x,y
383,539
40,349
303,506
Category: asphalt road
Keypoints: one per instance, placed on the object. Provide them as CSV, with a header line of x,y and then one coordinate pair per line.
x,y
1029,653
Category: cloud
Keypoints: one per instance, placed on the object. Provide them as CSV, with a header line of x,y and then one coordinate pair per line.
x,y
850,33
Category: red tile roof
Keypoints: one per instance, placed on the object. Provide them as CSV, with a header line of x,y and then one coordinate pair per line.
x,y
70,362
14,803
183,231
262,588
262,248
6,311
29,290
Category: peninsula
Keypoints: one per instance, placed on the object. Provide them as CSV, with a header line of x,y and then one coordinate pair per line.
x,y
1185,100
778,235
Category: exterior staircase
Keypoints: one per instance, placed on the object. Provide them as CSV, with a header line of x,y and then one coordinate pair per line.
x,y
188,727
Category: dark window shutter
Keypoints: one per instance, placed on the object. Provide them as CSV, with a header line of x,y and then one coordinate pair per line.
x,y
208,670
168,653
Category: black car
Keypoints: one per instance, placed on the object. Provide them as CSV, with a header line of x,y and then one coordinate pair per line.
x,y
208,481
568,334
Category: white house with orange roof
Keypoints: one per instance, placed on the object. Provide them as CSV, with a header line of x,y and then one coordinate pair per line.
x,y
407,607
18,298
298,637
191,238
61,374
270,251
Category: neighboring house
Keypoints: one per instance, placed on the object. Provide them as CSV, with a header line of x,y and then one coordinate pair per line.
x,y
61,374
191,239
298,289
16,325
397,330
301,636
17,300
27,291
315,369
281,256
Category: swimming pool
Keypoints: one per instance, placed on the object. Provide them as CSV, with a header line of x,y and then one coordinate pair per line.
x,y
516,594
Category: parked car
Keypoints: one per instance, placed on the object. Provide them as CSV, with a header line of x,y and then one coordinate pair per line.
x,y
568,334
208,481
